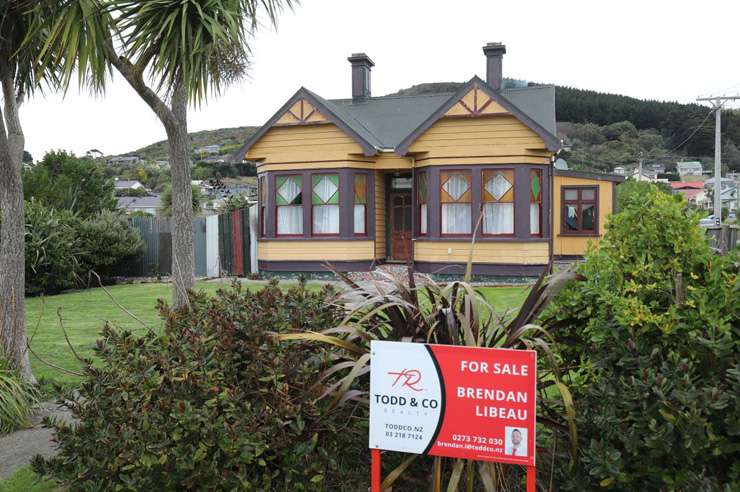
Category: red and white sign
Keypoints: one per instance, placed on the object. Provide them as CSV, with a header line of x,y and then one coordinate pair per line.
x,y
455,401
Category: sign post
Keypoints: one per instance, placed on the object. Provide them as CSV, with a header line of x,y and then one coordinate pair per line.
x,y
453,401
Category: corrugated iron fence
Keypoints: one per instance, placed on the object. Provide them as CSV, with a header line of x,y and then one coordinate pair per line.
x,y
222,246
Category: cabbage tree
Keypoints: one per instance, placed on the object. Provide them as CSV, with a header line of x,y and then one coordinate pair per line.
x,y
173,53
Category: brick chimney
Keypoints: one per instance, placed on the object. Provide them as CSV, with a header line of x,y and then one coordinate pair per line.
x,y
494,57
361,65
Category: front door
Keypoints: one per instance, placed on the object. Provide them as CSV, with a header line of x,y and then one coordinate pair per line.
x,y
400,215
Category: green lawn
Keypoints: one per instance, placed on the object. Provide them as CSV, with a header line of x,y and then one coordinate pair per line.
x,y
25,480
85,312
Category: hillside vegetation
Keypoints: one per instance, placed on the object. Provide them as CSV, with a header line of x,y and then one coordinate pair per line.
x,y
610,130
231,138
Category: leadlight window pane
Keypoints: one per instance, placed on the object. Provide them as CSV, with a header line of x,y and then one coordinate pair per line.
x,y
571,195
588,194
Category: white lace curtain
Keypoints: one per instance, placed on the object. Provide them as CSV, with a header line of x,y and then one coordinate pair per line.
x,y
326,219
499,218
423,219
534,218
359,219
456,218
290,219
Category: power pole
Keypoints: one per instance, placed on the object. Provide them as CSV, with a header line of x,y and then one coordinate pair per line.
x,y
717,103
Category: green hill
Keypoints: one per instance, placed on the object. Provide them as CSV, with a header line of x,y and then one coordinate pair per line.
x,y
229,138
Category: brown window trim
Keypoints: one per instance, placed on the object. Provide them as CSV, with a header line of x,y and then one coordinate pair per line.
x,y
579,203
540,203
338,205
419,204
303,206
367,192
483,202
461,170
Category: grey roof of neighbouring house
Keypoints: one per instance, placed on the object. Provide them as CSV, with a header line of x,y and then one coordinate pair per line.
x,y
393,122
130,202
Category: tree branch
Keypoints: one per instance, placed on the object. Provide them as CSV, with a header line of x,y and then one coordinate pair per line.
x,y
15,137
134,75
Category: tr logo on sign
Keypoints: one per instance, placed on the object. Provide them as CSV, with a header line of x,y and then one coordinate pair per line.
x,y
412,377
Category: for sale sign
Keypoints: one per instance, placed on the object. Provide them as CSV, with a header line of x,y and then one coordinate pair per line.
x,y
451,400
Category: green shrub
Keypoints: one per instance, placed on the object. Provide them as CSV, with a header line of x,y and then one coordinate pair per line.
x,y
214,402
17,399
107,238
52,248
652,336
63,181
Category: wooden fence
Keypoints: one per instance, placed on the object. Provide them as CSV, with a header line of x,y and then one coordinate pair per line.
x,y
222,246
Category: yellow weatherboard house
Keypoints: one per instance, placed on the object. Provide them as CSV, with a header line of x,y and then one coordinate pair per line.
x,y
368,180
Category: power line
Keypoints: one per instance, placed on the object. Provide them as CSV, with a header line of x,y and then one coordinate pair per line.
x,y
710,113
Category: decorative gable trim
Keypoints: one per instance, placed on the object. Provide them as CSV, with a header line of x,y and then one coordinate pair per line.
x,y
301,113
476,103
302,109
473,91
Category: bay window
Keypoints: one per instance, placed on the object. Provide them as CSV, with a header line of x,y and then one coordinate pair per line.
x,y
580,210
421,200
535,203
360,205
325,204
455,195
498,202
289,204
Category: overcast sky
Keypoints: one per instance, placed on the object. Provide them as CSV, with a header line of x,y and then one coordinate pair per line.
x,y
650,49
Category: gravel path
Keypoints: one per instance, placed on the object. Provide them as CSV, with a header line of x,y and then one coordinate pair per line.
x,y
17,448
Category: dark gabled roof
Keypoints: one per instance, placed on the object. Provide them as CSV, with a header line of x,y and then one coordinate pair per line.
x,y
391,118
353,128
551,141
394,122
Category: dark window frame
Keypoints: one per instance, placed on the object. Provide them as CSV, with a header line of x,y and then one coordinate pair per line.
x,y
483,202
418,204
540,203
579,203
338,205
441,204
303,205
367,192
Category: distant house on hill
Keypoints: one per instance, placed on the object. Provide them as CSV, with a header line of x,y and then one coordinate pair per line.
x,y
146,204
124,159
689,168
647,175
620,170
208,149
128,185
693,191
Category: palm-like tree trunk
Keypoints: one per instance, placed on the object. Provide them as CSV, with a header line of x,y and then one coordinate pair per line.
x,y
174,120
183,271
12,229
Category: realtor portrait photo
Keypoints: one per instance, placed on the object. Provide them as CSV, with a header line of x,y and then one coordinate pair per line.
x,y
515,441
